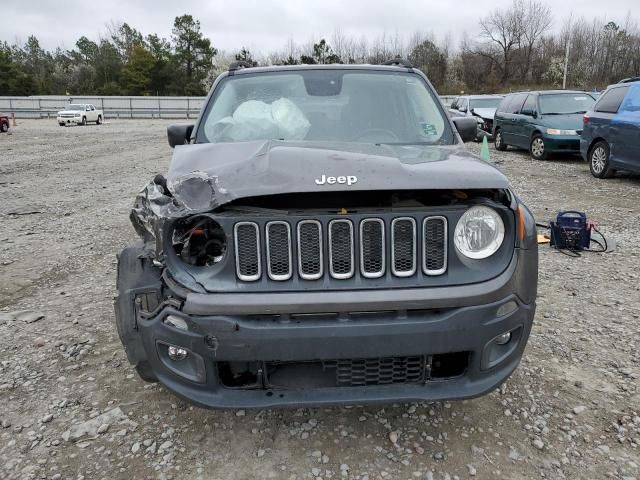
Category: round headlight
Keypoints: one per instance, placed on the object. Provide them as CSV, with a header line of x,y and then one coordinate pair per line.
x,y
199,241
479,232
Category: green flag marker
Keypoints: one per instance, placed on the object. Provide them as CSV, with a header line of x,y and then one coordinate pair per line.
x,y
484,151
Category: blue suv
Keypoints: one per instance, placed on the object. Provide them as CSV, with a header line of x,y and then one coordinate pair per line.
x,y
610,138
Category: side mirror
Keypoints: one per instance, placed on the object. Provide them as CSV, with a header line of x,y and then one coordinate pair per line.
x,y
179,134
467,128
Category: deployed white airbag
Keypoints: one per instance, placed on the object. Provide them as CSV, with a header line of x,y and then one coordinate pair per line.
x,y
256,120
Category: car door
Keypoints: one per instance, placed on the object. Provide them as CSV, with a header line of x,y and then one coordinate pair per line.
x,y
524,120
625,129
599,122
510,119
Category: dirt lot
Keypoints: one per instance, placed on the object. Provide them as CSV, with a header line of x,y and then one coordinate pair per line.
x,y
571,410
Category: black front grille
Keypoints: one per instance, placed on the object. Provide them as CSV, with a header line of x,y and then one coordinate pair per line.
x,y
279,250
310,249
372,247
341,248
349,372
380,371
403,248
434,243
247,239
354,247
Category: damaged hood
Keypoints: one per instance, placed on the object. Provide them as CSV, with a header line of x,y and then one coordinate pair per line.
x,y
486,113
203,177
240,170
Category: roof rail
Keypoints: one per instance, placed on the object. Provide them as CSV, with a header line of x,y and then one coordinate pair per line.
x,y
629,80
400,62
240,64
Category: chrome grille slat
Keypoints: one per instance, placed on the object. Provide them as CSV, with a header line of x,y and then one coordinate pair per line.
x,y
310,258
341,258
247,246
279,256
434,245
403,246
372,248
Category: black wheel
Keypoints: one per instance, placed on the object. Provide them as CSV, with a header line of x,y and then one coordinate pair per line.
x,y
498,141
61,124
99,121
537,147
84,121
145,372
4,127
599,160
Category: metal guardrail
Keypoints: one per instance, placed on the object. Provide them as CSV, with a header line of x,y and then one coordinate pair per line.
x,y
47,106
113,106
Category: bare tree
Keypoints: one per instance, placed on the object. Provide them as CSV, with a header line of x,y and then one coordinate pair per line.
x,y
503,31
535,18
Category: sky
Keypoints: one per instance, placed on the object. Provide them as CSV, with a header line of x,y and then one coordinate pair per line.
x,y
266,25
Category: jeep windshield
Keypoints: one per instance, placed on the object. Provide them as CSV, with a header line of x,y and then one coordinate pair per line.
x,y
325,105
74,107
565,103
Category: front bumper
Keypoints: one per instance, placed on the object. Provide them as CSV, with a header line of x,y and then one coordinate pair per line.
x,y
291,327
468,329
69,120
562,143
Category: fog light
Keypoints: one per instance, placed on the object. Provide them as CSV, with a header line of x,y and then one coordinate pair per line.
x,y
176,353
501,340
176,322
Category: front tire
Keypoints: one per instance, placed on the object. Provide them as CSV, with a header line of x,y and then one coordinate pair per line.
x,y
537,148
599,161
84,121
498,141
4,127
99,120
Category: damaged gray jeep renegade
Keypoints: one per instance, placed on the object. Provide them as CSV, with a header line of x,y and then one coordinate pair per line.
x,y
322,237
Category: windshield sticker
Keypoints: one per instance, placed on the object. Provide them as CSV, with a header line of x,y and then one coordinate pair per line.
x,y
429,129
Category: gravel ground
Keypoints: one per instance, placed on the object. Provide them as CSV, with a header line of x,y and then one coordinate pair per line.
x,y
73,408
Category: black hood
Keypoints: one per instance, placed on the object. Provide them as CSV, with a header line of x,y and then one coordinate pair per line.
x,y
203,177
240,170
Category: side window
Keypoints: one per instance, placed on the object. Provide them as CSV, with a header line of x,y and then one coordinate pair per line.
x,y
529,105
92,108
611,100
516,103
631,103
504,104
454,104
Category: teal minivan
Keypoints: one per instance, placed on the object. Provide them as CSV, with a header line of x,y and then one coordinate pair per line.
x,y
542,122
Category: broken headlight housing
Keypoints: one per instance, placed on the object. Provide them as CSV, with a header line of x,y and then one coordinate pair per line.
x,y
199,241
479,232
